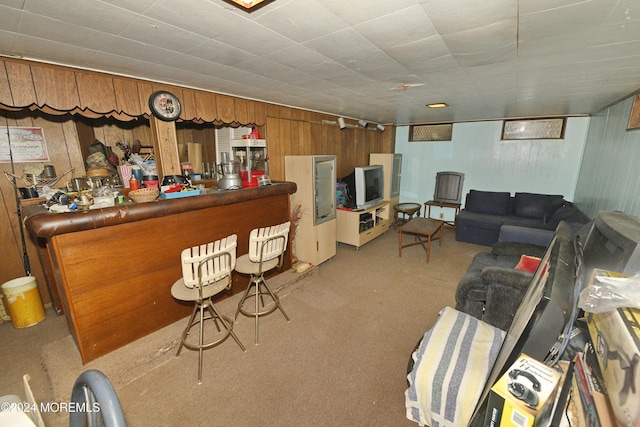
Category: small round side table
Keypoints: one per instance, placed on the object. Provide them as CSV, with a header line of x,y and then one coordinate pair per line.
x,y
408,210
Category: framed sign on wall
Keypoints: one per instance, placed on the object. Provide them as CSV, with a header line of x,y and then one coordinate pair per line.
x,y
27,145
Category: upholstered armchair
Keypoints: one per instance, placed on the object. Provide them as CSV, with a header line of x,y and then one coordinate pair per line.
x,y
492,288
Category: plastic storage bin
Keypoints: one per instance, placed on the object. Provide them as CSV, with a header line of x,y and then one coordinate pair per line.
x,y
22,301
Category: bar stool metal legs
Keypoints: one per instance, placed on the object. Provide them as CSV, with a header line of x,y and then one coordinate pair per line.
x,y
215,316
206,272
260,290
267,246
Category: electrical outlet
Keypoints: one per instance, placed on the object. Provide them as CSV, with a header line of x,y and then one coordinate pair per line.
x,y
441,215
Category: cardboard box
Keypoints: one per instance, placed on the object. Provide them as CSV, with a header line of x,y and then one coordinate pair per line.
x,y
524,396
616,338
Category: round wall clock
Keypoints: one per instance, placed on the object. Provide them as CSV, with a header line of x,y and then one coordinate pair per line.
x,y
165,105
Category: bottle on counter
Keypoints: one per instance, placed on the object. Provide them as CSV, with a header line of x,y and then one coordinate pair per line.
x,y
134,184
187,170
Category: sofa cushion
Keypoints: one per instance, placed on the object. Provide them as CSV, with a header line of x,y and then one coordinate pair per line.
x,y
490,202
532,205
450,369
466,218
568,214
515,249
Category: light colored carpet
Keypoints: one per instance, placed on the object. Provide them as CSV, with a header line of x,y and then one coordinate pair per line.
x,y
341,360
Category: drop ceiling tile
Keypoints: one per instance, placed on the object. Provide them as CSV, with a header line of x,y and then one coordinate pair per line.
x,y
52,51
355,12
93,14
423,67
117,64
624,12
383,32
212,50
346,81
255,38
565,44
564,20
301,20
137,50
197,64
613,34
616,55
198,16
9,18
51,29
530,7
370,61
461,15
341,44
137,6
15,4
7,43
269,69
418,51
384,74
329,70
297,56
504,54
155,33
490,38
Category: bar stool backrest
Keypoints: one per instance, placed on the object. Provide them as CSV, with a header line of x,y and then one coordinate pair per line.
x,y
215,268
269,242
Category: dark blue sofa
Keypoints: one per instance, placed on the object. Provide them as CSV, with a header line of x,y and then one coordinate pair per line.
x,y
485,212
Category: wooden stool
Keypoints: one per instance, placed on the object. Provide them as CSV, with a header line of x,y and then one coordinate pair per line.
x,y
408,210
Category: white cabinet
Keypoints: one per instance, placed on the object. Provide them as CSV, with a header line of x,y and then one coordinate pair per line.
x,y
315,176
392,164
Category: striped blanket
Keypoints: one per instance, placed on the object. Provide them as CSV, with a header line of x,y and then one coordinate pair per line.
x,y
451,367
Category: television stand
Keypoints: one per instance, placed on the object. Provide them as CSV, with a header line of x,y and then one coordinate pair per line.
x,y
357,227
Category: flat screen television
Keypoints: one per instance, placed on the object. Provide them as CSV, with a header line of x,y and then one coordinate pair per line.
x,y
365,186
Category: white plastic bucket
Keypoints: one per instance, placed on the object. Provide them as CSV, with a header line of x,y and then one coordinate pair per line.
x,y
22,301
3,312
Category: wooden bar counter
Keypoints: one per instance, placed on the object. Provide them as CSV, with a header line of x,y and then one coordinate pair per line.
x,y
111,269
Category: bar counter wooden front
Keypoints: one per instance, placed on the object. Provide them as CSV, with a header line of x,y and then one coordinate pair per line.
x,y
111,269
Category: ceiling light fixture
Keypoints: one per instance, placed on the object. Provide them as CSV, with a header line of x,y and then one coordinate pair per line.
x,y
362,123
406,86
380,127
249,5
437,105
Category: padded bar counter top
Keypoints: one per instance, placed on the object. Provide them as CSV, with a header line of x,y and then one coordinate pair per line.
x,y
110,270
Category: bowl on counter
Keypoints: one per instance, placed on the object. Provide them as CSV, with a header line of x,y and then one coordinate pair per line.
x,y
98,172
144,195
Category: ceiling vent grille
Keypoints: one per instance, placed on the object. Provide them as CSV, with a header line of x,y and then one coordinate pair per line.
x,y
534,129
442,132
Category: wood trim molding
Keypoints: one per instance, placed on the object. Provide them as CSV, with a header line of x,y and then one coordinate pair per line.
x,y
634,117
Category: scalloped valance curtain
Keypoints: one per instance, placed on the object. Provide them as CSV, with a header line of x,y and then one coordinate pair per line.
x,y
58,90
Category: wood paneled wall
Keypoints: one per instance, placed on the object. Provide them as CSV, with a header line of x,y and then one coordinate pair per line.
x,y
73,105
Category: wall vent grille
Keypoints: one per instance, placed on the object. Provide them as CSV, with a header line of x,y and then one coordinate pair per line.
x,y
534,129
441,132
